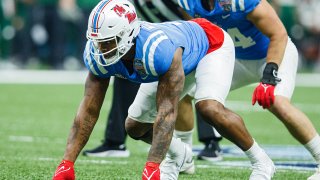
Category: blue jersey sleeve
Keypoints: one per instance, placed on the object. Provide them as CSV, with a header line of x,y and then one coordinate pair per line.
x,y
163,56
242,8
157,50
250,5
187,6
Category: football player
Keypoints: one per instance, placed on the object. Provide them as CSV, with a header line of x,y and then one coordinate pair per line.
x,y
115,134
265,54
169,59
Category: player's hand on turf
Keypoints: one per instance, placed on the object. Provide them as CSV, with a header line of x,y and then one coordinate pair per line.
x,y
264,92
151,171
64,171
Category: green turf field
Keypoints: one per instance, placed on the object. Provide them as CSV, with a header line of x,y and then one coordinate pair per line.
x,y
35,121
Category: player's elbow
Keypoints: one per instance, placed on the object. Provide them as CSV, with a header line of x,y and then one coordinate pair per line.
x,y
280,35
92,111
89,115
283,34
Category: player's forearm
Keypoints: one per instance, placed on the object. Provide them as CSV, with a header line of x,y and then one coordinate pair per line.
x,y
162,133
83,124
79,135
167,103
86,118
169,88
277,48
267,21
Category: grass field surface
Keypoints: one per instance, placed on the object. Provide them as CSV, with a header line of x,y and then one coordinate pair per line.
x,y
35,122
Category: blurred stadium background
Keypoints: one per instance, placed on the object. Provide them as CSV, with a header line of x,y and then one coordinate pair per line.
x,y
50,34
41,84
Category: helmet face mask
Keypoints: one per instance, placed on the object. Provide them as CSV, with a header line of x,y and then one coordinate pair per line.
x,y
112,27
109,49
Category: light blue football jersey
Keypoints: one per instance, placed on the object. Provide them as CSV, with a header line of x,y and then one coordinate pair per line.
x,y
230,15
156,44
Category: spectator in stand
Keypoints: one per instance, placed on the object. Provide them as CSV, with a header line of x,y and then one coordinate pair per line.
x,y
308,15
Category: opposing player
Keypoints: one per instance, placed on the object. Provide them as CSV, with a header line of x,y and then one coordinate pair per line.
x,y
263,53
169,58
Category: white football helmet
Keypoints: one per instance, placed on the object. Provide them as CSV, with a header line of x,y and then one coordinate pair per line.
x,y
112,27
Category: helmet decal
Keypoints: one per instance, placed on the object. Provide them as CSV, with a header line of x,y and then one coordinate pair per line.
x,y
96,17
119,10
122,11
131,16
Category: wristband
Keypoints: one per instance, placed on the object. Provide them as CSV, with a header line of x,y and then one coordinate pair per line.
x,y
270,74
152,164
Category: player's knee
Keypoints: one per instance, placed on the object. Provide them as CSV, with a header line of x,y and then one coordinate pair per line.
x,y
144,137
281,107
212,111
136,130
132,128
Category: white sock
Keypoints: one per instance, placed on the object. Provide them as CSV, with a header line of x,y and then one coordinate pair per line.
x,y
175,146
185,136
314,147
256,154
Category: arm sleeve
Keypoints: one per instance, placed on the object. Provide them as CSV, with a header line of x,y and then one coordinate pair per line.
x,y
188,6
242,8
160,61
250,5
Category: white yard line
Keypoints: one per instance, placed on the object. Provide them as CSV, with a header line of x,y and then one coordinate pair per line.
x,y
292,165
42,77
21,138
246,106
296,157
91,161
78,77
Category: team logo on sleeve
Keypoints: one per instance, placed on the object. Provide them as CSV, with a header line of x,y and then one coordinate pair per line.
x,y
138,66
225,4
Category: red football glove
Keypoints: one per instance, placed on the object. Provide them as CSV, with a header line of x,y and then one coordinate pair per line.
x,y
264,94
151,171
65,171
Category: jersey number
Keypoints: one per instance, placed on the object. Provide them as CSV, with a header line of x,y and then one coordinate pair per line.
x,y
239,39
